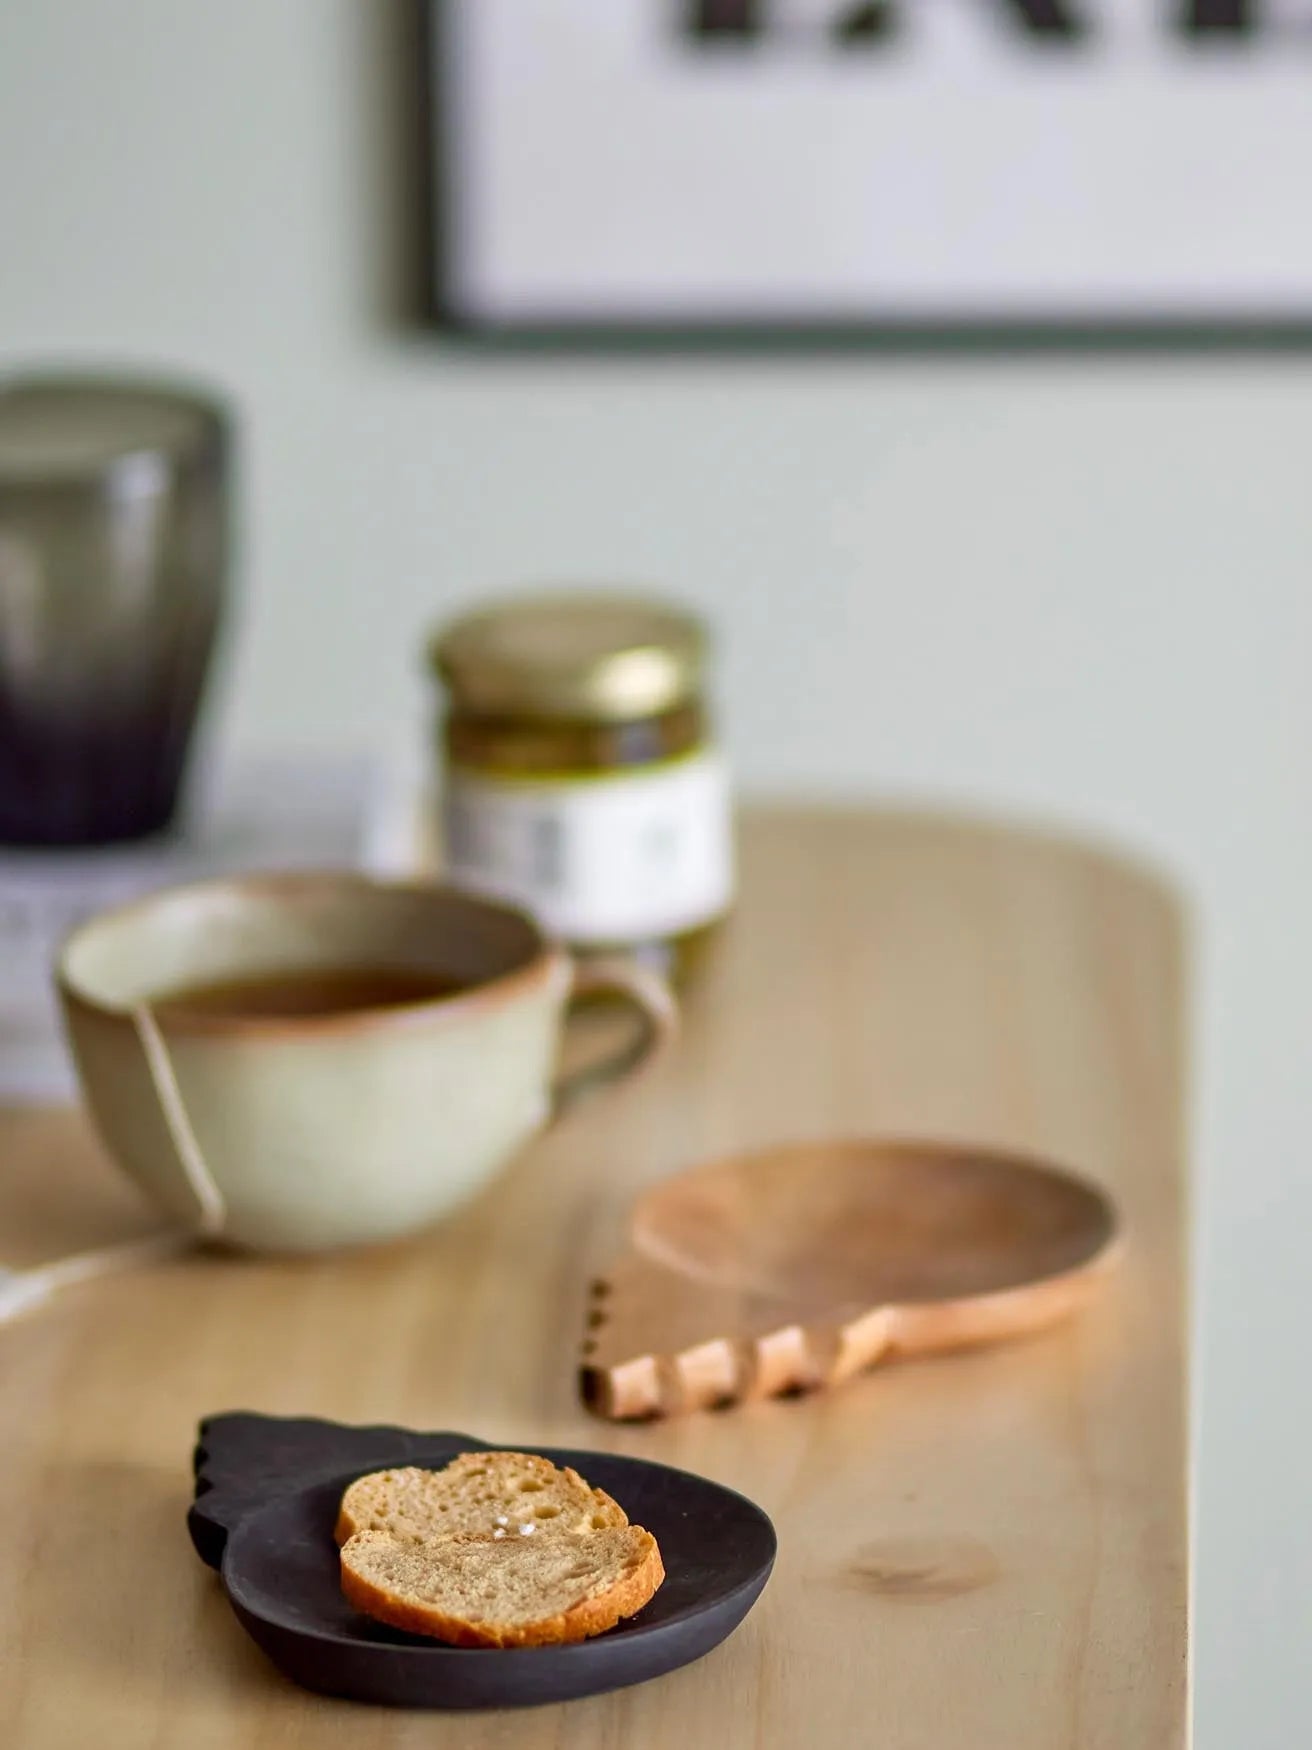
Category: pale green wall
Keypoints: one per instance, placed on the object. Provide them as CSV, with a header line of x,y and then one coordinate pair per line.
x,y
1081,586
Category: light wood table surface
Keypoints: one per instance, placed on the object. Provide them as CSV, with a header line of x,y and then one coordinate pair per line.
x,y
986,1551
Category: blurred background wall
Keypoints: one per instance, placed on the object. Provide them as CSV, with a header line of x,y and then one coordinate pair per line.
x,y
1074,587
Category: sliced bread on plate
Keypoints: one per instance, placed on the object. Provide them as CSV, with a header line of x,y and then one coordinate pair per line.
x,y
478,1492
503,1590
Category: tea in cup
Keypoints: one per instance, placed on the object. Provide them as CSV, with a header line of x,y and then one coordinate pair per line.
x,y
294,1062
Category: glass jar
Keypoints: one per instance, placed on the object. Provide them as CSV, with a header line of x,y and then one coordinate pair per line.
x,y
581,776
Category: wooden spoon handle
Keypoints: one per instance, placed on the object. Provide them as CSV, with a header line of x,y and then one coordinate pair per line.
x,y
660,1343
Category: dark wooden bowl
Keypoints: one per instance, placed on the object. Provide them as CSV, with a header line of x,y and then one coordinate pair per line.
x,y
267,1492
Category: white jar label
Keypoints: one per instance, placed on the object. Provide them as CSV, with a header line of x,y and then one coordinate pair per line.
x,y
626,858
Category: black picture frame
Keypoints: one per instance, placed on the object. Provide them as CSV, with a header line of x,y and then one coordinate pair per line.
x,y
1242,332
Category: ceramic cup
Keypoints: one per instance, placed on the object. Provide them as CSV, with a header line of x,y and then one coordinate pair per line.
x,y
322,1130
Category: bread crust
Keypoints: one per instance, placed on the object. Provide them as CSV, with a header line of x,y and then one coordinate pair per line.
x,y
590,1616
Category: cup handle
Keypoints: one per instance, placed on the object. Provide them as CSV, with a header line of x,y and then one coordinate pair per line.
x,y
648,994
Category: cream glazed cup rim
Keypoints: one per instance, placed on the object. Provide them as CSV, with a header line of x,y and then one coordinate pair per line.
x,y
545,961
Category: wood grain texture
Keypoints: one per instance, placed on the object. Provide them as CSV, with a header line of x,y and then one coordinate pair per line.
x,y
792,1269
987,1549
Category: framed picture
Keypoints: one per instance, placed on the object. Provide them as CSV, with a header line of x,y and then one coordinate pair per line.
x,y
985,171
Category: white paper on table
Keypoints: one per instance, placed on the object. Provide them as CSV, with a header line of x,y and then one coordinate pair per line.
x,y
270,813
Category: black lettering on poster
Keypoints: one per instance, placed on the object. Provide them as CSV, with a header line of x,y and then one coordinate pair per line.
x,y
1048,18
1218,17
866,24
724,17
873,20
870,22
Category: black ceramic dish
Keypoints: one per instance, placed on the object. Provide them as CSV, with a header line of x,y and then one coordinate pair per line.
x,y
267,1491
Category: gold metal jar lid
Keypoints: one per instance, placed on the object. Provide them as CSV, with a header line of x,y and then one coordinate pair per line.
x,y
579,656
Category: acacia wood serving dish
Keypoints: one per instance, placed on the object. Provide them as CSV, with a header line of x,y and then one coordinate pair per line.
x,y
799,1267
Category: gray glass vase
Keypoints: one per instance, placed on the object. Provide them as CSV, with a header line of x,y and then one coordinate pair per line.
x,y
113,570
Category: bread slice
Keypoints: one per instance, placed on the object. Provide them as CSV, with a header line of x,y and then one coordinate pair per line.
x,y
478,1492
505,1589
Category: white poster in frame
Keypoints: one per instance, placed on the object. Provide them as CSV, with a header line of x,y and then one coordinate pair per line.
x,y
904,169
